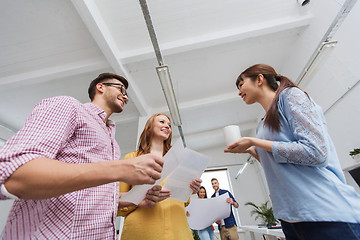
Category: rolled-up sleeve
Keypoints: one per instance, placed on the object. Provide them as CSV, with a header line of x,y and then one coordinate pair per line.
x,y
307,127
45,132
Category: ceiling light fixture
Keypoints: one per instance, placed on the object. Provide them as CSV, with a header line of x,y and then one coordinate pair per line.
x,y
242,169
315,61
166,84
163,72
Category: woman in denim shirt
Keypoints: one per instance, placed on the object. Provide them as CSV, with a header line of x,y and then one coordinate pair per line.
x,y
307,186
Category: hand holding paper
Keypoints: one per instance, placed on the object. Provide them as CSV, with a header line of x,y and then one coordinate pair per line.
x,y
195,185
154,195
181,166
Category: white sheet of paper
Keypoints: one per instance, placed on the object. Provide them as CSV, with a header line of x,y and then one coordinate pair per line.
x,y
205,211
191,166
138,192
182,166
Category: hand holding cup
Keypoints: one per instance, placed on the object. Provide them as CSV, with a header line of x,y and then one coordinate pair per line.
x,y
231,134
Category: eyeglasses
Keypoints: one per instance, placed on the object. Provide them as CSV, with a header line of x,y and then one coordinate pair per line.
x,y
121,88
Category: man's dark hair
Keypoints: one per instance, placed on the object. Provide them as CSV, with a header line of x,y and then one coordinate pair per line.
x,y
102,78
214,179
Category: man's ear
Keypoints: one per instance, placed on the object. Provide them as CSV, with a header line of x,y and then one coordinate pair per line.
x,y
100,87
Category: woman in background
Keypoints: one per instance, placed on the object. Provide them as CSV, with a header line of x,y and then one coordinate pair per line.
x,y
165,219
307,186
206,233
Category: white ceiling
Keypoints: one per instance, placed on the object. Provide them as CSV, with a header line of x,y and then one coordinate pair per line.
x,y
57,47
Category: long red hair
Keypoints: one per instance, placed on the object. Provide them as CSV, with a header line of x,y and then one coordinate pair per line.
x,y
147,135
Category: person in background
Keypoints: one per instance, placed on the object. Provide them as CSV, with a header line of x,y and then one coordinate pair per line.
x,y
206,233
63,167
227,226
166,218
307,186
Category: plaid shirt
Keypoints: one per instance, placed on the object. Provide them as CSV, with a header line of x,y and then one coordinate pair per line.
x,y
62,128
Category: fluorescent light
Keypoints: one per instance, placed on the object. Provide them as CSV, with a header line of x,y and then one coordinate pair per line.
x,y
242,169
314,62
166,84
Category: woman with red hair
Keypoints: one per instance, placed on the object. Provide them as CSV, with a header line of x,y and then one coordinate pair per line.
x,y
164,219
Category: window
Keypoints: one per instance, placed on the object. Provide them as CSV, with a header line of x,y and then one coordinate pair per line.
x,y
222,175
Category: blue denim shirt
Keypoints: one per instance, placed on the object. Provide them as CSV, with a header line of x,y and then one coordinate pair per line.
x,y
230,221
303,171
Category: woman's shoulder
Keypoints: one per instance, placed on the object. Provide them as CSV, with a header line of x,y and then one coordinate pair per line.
x,y
293,95
292,92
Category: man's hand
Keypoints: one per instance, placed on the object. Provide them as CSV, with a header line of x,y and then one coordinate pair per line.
x,y
195,185
231,201
144,169
154,195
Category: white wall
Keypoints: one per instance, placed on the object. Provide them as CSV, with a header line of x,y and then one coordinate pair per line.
x,y
344,66
324,12
338,72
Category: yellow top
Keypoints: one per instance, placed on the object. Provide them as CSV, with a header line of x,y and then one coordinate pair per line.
x,y
165,221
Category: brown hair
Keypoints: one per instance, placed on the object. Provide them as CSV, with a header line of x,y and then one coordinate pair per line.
x,y
102,78
272,117
214,179
147,135
202,187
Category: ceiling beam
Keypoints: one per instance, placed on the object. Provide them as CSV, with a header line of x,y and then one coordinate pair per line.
x,y
6,131
244,126
202,103
217,38
187,106
53,73
97,27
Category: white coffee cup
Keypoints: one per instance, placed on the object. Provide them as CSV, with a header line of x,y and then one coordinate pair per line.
x,y
231,134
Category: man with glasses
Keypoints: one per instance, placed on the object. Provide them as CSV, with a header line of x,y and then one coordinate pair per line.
x,y
121,87
63,167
